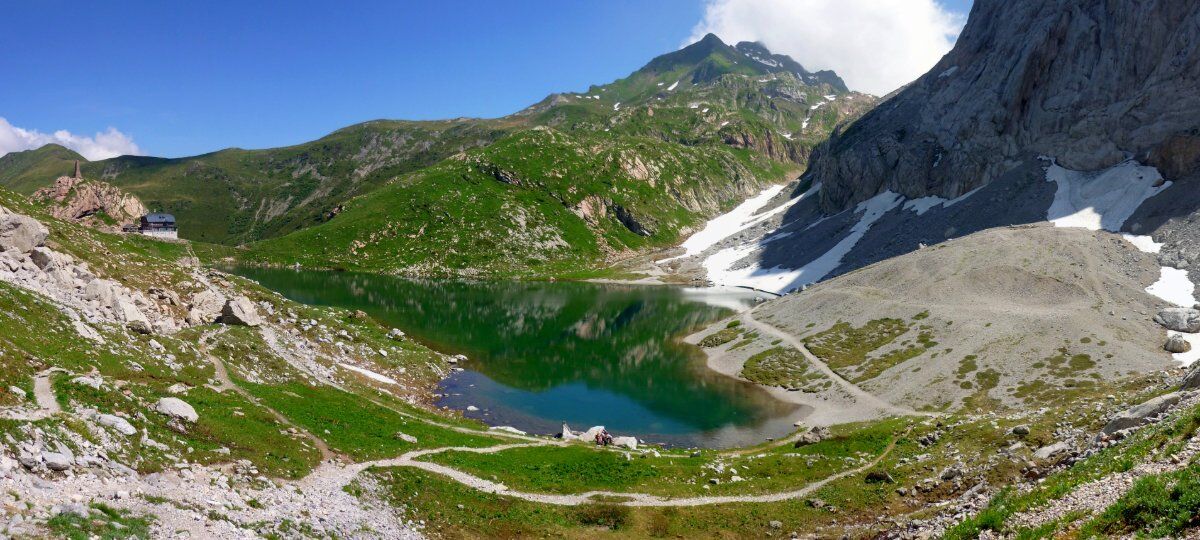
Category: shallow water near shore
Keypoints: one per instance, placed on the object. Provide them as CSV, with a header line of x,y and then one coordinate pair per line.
x,y
544,353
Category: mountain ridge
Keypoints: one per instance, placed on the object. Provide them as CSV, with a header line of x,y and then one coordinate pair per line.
x,y
757,123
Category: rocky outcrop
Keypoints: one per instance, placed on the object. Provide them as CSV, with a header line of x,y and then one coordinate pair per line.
x,y
1191,381
78,199
593,209
1085,83
27,263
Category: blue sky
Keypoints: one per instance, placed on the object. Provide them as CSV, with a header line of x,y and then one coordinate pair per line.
x,y
184,78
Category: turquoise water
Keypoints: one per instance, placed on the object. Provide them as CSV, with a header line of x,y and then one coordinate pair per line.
x,y
541,353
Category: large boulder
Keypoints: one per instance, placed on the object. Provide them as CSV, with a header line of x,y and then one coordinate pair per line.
x,y
116,422
590,434
102,291
1191,381
626,442
206,307
1176,344
21,233
239,310
813,436
1179,319
1052,450
58,461
46,258
1141,414
176,408
133,317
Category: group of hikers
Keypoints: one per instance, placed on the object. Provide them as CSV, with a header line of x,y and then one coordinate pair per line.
x,y
603,438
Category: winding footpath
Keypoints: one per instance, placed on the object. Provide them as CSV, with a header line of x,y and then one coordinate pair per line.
x,y
335,477
226,383
862,396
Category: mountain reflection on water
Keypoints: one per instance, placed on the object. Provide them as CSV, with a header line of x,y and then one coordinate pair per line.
x,y
546,352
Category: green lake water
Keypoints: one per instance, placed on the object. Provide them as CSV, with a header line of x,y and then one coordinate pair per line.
x,y
541,353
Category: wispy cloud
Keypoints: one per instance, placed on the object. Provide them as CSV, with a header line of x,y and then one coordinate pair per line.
x,y
875,45
103,145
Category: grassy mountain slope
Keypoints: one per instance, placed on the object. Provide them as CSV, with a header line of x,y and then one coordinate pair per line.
x,y
633,164
751,116
27,171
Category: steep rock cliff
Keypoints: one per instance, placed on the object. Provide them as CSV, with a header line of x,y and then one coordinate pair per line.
x,y
1087,83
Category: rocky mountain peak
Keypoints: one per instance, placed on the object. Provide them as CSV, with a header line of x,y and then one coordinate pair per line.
x,y
710,57
1084,83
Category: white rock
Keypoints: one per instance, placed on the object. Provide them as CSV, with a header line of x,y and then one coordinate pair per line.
x,y
19,392
20,232
206,307
116,422
590,434
177,408
626,442
56,461
85,380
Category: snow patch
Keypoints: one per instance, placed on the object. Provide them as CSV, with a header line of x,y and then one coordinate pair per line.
x,y
781,280
673,85
1174,286
924,204
1143,242
1103,199
737,220
370,374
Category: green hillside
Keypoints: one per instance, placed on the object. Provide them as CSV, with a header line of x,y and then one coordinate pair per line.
x,y
688,135
26,171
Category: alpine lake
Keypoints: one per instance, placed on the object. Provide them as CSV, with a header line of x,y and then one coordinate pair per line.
x,y
543,353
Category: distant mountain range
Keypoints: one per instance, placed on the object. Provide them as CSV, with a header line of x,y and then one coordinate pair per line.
x,y
573,180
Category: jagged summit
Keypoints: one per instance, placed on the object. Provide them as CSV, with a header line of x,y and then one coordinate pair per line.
x,y
710,58
760,53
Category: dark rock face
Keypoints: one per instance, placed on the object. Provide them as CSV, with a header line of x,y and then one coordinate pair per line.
x,y
1084,82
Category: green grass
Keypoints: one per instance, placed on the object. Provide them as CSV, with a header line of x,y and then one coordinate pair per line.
x,y
354,426
721,337
1157,506
580,467
784,367
848,349
105,523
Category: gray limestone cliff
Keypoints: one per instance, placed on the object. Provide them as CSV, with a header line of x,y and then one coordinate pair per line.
x,y
1089,83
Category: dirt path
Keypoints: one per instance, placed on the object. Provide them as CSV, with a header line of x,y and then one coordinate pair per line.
x,y
43,395
863,397
43,392
410,459
226,383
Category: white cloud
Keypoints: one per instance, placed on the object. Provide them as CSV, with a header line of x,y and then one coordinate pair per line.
x,y
103,145
875,45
